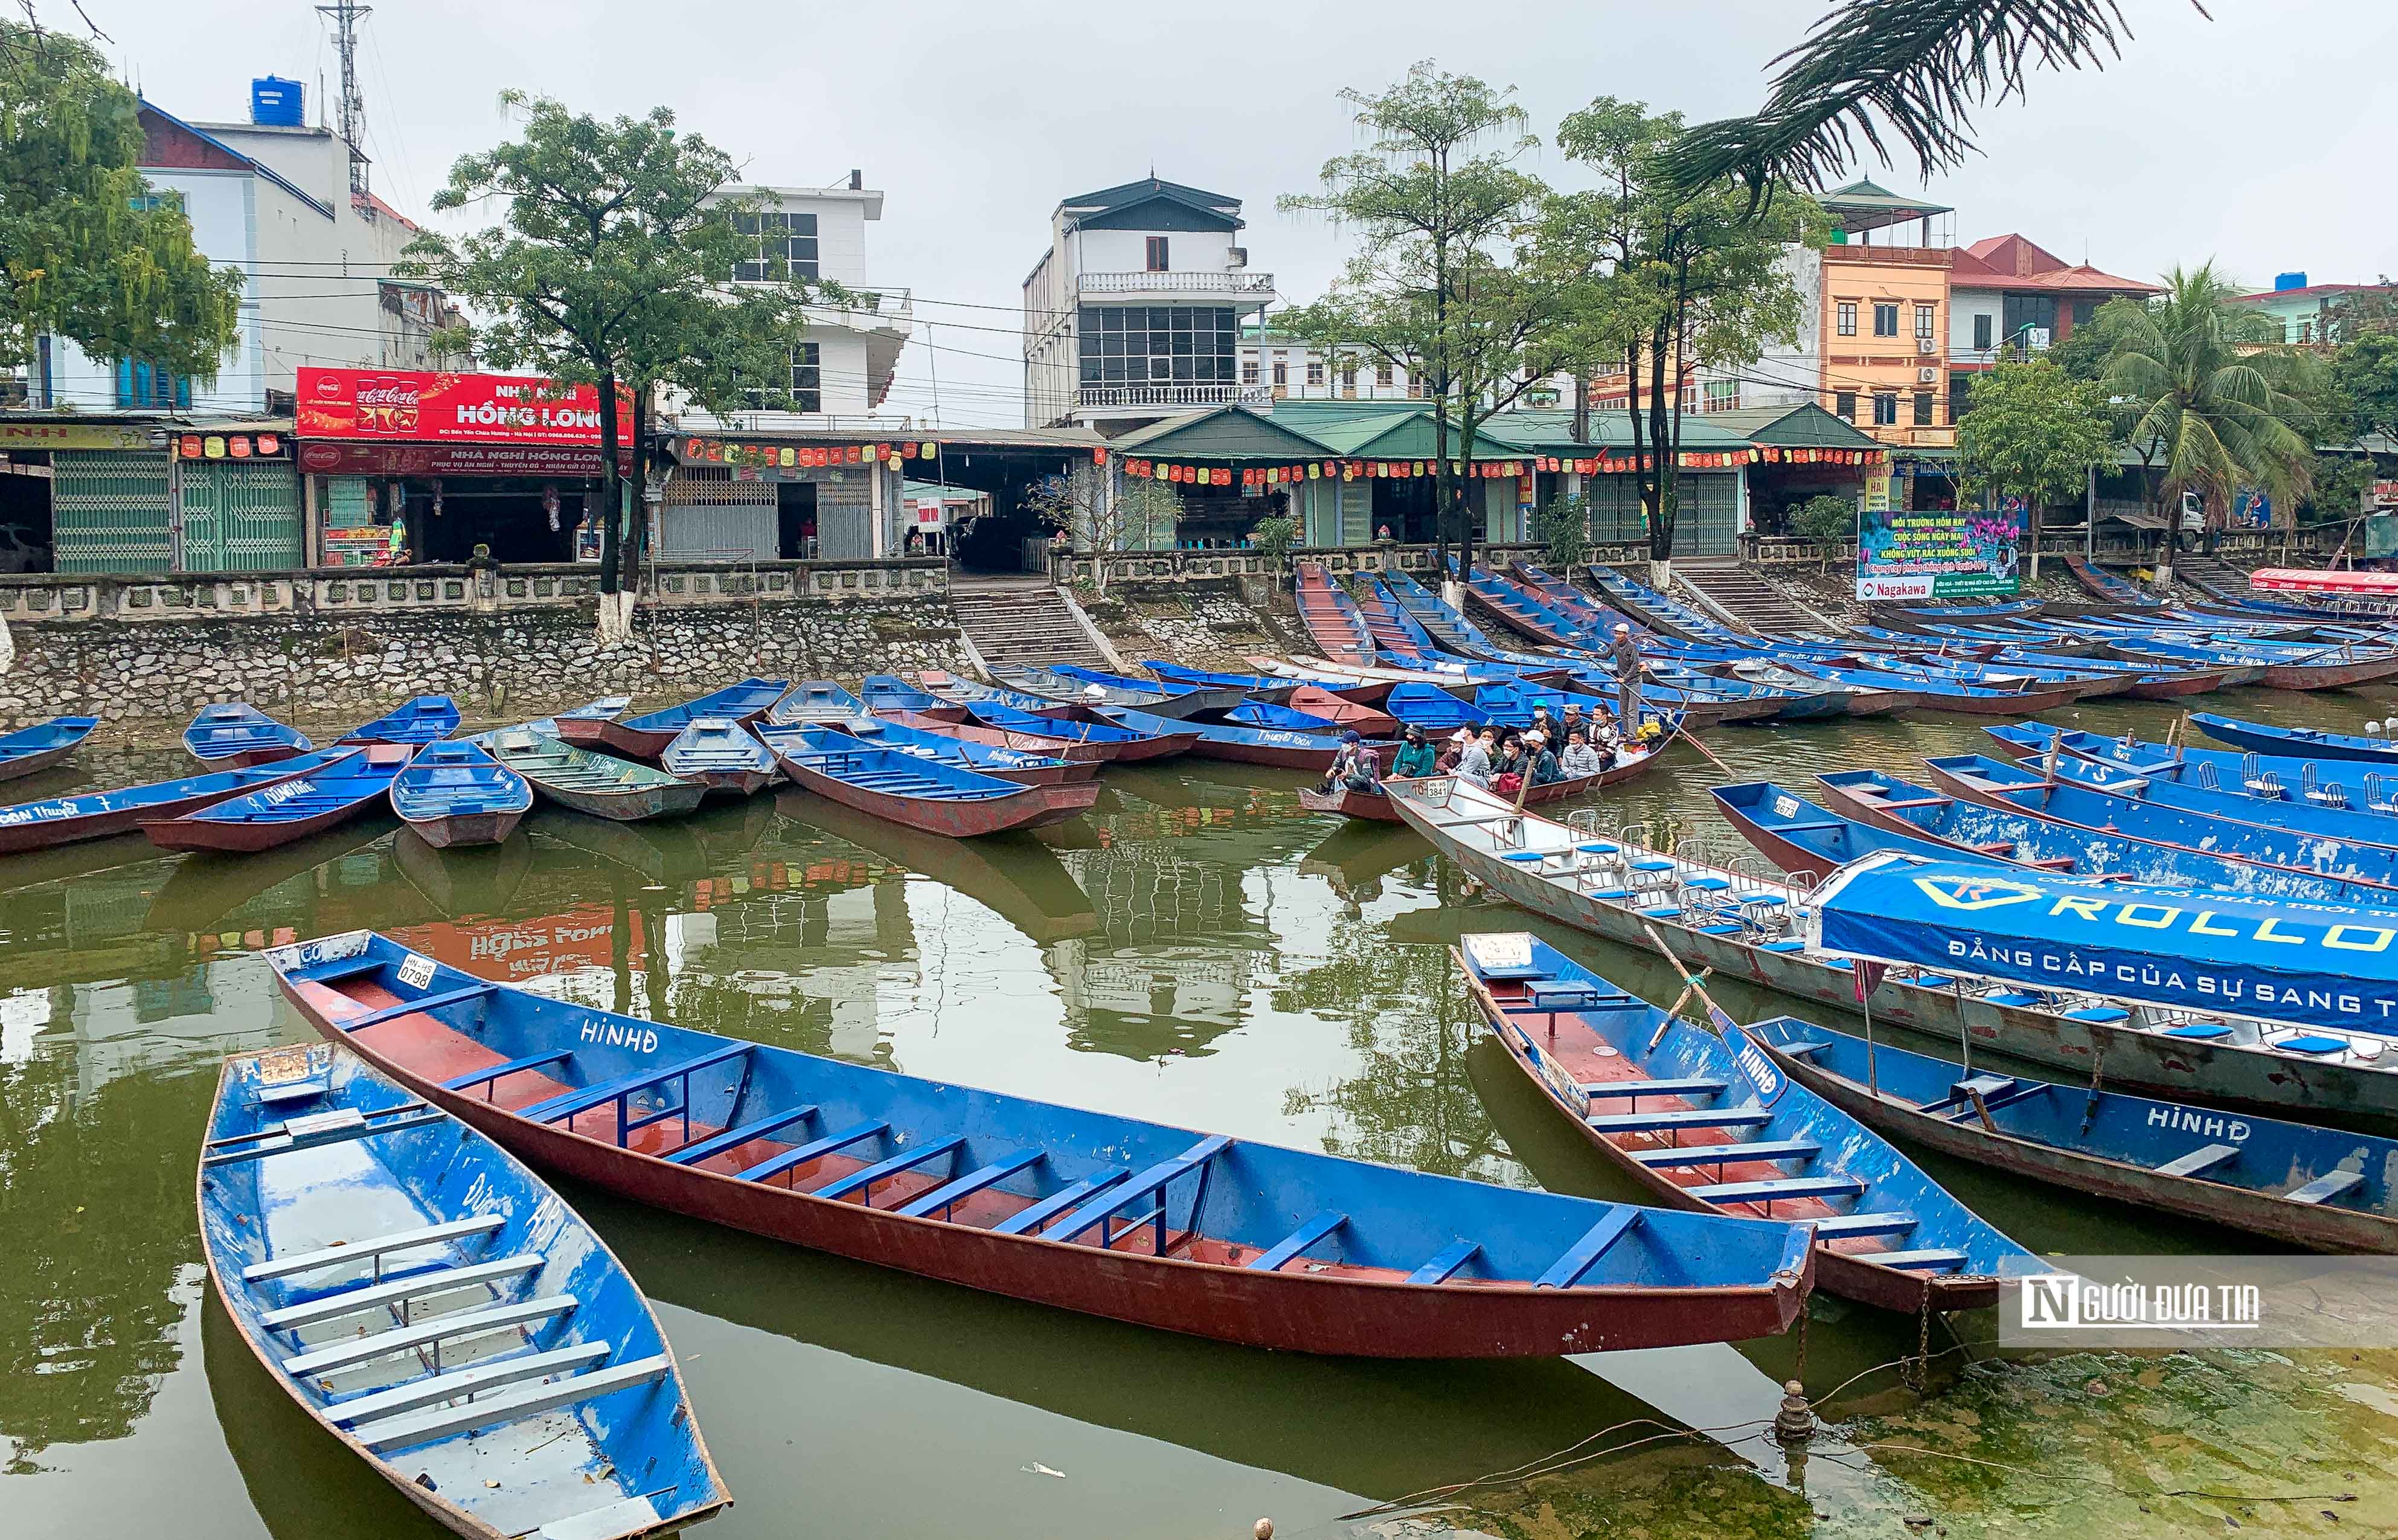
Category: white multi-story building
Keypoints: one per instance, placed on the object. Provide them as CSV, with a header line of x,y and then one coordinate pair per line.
x,y
1291,368
274,200
842,372
1135,311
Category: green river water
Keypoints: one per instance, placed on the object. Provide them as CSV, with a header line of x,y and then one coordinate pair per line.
x,y
1198,951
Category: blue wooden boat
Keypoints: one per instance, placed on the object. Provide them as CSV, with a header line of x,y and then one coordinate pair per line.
x,y
600,785
2315,1187
820,700
456,795
349,785
98,814
1022,766
890,693
720,755
645,737
2321,808
2304,743
1283,719
1433,708
1082,1211
1808,841
1224,741
2280,861
1706,1122
1095,688
426,718
434,1306
1256,687
46,743
235,735
920,793
1022,713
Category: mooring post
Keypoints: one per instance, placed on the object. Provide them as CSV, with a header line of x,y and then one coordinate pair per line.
x,y
1795,1423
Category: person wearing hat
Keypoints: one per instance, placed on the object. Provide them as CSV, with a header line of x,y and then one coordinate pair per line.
x,y
1354,767
1626,653
1415,756
1540,761
1572,722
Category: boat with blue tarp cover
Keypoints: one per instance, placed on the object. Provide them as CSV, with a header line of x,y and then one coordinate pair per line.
x,y
435,1306
237,735
1733,914
719,754
646,737
2315,1187
1082,1211
1024,767
922,793
1705,1121
46,743
2306,743
348,786
1256,687
426,718
98,814
2271,860
456,795
2326,969
600,785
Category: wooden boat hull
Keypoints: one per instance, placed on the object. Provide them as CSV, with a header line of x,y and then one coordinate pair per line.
x,y
959,820
2319,1227
250,759
1156,747
26,765
2328,676
732,783
2125,1057
2175,686
1791,857
629,806
458,831
241,838
1293,1311
18,838
614,738
1083,758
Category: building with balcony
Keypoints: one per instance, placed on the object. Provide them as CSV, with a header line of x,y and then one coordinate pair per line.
x,y
2011,299
1292,368
843,370
1134,313
2306,315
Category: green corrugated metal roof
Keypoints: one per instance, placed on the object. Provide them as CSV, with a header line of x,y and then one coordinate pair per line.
x,y
1611,428
1222,433
1806,425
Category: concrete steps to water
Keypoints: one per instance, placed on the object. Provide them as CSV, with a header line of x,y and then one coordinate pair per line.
x,y
1744,599
2212,577
1022,623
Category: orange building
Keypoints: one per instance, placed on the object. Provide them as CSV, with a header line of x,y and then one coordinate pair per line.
x,y
1882,323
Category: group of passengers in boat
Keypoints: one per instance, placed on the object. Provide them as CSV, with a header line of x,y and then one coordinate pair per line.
x,y
1500,760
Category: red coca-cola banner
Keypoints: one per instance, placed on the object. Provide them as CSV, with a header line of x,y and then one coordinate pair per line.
x,y
399,405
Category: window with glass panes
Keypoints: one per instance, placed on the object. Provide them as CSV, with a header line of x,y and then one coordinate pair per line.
x,y
1156,345
1885,407
787,246
1885,320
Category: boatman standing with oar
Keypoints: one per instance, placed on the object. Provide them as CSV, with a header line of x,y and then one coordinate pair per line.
x,y
1626,653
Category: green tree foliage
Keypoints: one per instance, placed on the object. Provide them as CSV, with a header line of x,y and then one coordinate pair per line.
x,y
2034,430
1438,287
611,266
1657,280
1826,518
85,250
1274,537
1563,525
2366,372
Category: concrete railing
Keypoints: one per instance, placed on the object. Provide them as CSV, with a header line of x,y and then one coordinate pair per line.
x,y
1198,566
449,589
1764,551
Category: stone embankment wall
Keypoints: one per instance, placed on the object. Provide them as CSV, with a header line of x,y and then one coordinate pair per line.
x,y
328,670
1206,624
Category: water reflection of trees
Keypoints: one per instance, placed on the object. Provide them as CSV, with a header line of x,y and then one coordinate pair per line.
x,y
1170,963
1411,1102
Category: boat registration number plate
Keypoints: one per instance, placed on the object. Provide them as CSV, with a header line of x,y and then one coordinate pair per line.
x,y
416,972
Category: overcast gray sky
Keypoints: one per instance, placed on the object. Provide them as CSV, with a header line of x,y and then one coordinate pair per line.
x,y
2260,139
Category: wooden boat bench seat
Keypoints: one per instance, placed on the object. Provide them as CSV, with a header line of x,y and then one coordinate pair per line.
x,y
461,1382
1934,1260
1634,1089
490,1072
1445,1263
567,1105
1065,1198
1894,1222
1712,1154
947,1196
2000,848
373,1246
411,1008
1584,1254
1804,1049
350,1352
338,969
1830,1185
417,1427
1320,1225
862,1180
2327,1187
799,1155
1548,997
1666,1121
316,1131
1102,1208
400,1291
2200,1161
732,1138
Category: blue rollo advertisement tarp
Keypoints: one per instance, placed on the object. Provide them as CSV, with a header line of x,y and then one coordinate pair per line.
x,y
2223,954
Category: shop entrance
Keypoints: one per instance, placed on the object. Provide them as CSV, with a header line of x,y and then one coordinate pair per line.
x,y
795,519
509,514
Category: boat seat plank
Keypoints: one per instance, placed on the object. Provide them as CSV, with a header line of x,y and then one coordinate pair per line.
x,y
567,1104
2200,1161
1025,1220
1629,1123
1831,1184
339,968
417,1427
300,1091
1806,1050
1320,1225
1446,1262
461,1382
1927,1260
473,1078
1709,1154
398,1240
1696,1086
863,1180
410,1007
974,1182
357,1350
2325,1188
856,1133
1584,1253
732,1138
1894,1222
439,1280
303,1134
1151,1181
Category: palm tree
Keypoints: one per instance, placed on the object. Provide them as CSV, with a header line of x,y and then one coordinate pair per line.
x,y
2211,419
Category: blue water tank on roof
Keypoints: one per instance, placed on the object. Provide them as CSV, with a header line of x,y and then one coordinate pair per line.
x,y
2282,281
275,103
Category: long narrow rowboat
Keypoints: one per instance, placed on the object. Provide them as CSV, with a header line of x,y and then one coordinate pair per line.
x,y
2304,743
645,737
356,783
37,748
235,735
887,694
455,794
1256,687
818,701
1219,740
920,793
947,743
426,718
2315,1187
435,1306
720,755
97,814
1005,709
1092,687
965,729
1704,1123
1110,1216
598,784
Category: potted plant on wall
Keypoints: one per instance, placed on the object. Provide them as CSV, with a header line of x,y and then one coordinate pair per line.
x,y
1273,539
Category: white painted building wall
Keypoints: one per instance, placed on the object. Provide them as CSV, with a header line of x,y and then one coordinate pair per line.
x,y
1964,304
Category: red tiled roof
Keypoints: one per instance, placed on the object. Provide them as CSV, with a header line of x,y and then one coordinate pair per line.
x,y
385,210
2011,261
2315,289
